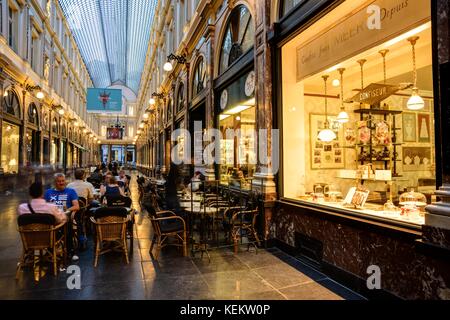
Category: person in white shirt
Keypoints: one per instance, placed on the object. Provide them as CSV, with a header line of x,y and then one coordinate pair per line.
x,y
82,188
39,205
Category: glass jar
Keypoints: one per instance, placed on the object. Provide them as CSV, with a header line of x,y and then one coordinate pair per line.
x,y
413,205
363,132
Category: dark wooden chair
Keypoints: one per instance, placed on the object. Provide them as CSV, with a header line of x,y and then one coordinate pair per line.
x,y
243,223
166,224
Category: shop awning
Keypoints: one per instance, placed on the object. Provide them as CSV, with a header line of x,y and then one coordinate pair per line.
x,y
79,147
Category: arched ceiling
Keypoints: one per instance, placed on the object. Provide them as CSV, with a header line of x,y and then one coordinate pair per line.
x,y
112,36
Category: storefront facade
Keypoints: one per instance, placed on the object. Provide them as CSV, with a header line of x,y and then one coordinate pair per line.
x,y
343,206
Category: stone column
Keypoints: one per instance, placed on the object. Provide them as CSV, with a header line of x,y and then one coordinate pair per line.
x,y
436,230
264,180
209,103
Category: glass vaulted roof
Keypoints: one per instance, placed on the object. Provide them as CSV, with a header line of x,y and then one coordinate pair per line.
x,y
112,36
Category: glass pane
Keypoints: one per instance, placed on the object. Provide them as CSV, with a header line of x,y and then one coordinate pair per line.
x,y
384,150
10,148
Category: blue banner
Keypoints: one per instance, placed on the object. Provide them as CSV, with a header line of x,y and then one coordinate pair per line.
x,y
104,100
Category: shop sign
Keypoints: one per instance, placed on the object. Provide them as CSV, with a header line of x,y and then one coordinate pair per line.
x,y
354,34
104,100
375,93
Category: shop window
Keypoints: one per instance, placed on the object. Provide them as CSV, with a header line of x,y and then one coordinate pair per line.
x,y
237,126
10,148
11,104
33,115
180,98
239,37
353,139
288,5
199,77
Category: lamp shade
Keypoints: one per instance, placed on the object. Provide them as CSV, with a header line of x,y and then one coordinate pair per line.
x,y
415,102
40,95
326,135
168,66
343,117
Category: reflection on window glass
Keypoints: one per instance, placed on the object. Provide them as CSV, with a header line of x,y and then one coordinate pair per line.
x,y
10,148
288,5
239,37
238,156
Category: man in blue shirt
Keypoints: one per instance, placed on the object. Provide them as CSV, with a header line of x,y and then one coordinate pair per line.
x,y
64,198
67,200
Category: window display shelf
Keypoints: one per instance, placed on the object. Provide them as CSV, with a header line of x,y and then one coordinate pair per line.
x,y
372,210
377,111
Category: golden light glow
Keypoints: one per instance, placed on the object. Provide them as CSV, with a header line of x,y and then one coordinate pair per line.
x,y
40,95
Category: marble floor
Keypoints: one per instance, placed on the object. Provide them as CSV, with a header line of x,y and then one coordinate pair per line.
x,y
268,274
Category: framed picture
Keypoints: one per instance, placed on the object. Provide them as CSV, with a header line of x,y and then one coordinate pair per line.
x,y
356,197
416,158
423,123
331,155
409,127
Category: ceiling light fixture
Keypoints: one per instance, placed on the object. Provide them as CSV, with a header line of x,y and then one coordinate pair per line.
x,y
415,102
326,134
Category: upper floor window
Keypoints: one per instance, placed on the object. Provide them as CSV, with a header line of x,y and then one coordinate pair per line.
x,y
288,5
33,114
11,103
199,77
239,37
13,28
180,98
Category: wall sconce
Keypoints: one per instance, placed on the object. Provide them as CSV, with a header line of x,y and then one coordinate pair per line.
x,y
168,65
156,95
39,94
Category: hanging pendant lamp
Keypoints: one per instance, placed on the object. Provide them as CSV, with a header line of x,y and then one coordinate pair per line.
x,y
343,115
415,102
326,134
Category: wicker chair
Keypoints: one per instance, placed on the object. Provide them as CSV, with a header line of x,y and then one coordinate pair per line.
x,y
124,202
39,234
166,224
243,223
111,228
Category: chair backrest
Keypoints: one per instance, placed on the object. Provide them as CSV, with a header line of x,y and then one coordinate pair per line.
x,y
119,201
39,218
110,211
111,223
36,230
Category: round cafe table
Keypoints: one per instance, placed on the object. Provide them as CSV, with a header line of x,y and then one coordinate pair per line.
x,y
202,244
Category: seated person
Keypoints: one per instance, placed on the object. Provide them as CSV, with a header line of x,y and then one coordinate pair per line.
x,y
112,188
195,183
39,205
83,189
65,198
237,178
96,176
